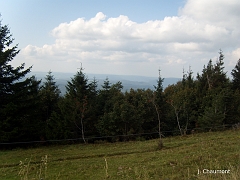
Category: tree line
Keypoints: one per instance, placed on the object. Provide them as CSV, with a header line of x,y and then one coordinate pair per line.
x,y
31,111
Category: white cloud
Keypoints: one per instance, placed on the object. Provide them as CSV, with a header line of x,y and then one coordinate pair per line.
x,y
200,30
234,56
213,11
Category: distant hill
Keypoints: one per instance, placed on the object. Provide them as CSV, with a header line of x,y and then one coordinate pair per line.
x,y
128,81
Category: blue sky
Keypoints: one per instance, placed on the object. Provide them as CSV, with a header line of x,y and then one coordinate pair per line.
x,y
123,37
31,21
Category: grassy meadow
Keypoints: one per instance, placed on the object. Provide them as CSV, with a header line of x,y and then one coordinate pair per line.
x,y
181,158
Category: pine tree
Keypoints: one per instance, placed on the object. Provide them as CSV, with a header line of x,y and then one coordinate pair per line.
x,y
213,94
104,96
93,109
110,97
78,95
158,102
19,95
189,101
236,76
50,95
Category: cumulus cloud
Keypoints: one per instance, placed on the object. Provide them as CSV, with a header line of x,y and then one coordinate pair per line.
x,y
234,57
220,12
199,31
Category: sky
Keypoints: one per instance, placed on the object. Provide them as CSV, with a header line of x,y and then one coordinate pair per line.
x,y
123,37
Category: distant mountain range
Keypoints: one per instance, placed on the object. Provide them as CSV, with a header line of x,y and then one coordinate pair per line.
x,y
128,81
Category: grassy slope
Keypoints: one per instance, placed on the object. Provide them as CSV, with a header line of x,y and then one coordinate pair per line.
x,y
179,159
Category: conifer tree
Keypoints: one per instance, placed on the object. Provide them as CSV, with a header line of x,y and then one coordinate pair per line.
x,y
50,95
77,94
93,108
19,95
236,76
213,94
159,105
189,100
110,97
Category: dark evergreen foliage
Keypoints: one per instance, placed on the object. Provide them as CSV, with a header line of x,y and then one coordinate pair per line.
x,y
29,112
19,105
50,95
236,76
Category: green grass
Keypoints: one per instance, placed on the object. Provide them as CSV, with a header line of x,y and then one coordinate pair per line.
x,y
181,158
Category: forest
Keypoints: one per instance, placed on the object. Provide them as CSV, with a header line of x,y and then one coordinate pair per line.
x,y
31,111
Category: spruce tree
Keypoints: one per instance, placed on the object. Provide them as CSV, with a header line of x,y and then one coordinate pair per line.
x,y
159,105
213,94
190,101
236,76
93,109
78,95
50,95
19,95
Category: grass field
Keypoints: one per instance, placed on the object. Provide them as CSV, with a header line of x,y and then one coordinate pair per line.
x,y
181,158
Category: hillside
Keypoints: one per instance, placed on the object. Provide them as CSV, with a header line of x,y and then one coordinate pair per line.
x,y
181,158
134,82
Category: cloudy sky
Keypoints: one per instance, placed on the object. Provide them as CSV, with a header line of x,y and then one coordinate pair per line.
x,y
123,37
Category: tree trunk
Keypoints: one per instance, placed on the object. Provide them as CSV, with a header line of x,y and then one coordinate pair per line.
x,y
160,145
82,129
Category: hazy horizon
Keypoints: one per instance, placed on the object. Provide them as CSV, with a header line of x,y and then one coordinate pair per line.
x,y
124,37
128,82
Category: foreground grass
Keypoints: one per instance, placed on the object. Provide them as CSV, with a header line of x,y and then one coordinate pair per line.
x,y
181,158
